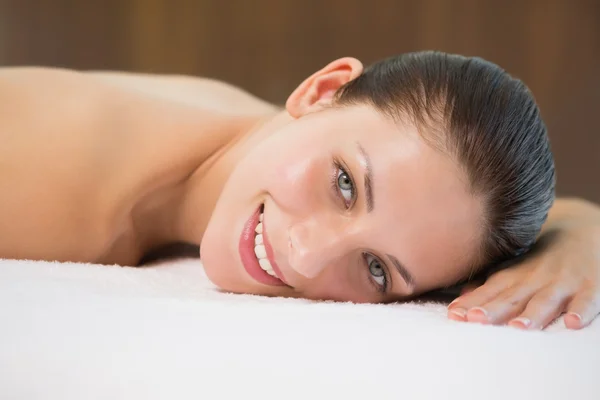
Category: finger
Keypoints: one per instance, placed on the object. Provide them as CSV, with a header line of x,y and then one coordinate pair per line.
x,y
582,310
478,292
469,287
543,308
457,310
505,306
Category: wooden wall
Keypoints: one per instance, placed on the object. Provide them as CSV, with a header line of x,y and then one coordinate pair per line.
x,y
269,46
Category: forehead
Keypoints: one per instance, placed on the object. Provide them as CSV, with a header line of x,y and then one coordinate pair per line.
x,y
425,214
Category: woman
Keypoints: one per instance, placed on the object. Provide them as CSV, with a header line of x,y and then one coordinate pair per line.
x,y
371,186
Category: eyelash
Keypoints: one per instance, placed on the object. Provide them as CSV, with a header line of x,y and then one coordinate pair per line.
x,y
338,166
382,288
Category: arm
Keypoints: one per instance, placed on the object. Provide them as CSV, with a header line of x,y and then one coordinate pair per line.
x,y
567,212
560,275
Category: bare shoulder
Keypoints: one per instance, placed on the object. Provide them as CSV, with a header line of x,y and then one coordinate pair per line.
x,y
209,94
67,176
48,163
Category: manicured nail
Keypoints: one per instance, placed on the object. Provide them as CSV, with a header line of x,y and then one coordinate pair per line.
x,y
520,322
573,320
478,314
459,312
575,315
454,302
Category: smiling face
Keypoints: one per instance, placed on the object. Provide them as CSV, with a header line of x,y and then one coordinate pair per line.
x,y
355,207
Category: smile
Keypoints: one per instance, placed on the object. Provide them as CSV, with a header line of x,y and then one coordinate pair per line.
x,y
256,253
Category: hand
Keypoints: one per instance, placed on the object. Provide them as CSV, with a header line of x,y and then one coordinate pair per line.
x,y
560,275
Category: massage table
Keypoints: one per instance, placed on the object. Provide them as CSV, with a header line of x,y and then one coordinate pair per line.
x,y
163,331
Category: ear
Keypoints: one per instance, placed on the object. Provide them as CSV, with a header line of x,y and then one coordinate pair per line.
x,y
317,91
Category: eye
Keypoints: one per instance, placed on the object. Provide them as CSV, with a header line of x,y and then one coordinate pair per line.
x,y
345,186
377,271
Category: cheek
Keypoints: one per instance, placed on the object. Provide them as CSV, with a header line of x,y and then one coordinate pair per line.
x,y
300,183
343,281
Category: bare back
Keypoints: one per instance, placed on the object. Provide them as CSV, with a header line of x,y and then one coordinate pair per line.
x,y
77,150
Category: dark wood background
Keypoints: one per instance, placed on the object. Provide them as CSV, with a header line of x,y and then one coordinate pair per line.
x,y
269,46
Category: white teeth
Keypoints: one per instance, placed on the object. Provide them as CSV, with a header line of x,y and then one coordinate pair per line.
x,y
272,273
266,266
260,251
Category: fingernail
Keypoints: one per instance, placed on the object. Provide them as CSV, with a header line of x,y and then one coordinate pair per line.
x,y
459,312
570,323
478,314
575,315
520,322
453,303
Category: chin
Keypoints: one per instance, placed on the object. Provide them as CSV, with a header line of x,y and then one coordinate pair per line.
x,y
213,270
220,273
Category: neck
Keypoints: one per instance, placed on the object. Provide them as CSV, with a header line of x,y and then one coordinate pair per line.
x,y
205,185
181,210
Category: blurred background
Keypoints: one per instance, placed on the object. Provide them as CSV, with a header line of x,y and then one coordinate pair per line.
x,y
269,46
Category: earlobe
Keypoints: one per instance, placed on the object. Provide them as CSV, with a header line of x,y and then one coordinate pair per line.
x,y
317,91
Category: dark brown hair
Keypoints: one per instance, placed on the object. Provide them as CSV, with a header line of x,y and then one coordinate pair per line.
x,y
488,121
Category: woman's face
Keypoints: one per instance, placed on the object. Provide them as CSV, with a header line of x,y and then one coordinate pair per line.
x,y
354,207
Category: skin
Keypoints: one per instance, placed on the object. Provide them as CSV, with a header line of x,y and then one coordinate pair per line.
x,y
119,165
561,275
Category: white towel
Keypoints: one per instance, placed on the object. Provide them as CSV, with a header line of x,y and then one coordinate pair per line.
x,y
76,331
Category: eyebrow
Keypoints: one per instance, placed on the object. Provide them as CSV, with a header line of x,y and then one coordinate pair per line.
x,y
407,276
368,183
368,173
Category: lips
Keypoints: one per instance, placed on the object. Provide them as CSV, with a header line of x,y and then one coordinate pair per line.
x,y
248,257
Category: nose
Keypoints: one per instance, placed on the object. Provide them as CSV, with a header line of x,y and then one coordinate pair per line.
x,y
315,242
